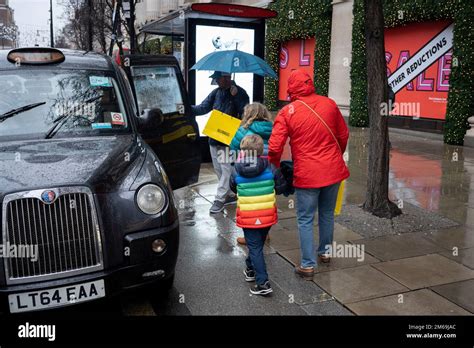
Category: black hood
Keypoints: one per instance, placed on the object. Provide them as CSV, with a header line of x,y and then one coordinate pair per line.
x,y
251,168
105,164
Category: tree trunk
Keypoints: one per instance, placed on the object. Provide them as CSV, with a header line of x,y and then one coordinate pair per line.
x,y
377,201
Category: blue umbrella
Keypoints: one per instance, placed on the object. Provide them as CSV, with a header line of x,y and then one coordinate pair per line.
x,y
234,61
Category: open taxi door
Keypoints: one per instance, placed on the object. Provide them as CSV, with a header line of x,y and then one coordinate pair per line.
x,y
159,90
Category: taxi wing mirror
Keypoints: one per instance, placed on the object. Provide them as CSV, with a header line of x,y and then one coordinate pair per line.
x,y
150,119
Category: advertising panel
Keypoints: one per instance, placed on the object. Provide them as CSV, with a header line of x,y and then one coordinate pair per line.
x,y
213,38
419,58
295,54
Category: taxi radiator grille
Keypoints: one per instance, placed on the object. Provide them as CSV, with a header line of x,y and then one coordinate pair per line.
x,y
64,232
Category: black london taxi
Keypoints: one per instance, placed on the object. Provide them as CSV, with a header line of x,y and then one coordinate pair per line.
x,y
89,156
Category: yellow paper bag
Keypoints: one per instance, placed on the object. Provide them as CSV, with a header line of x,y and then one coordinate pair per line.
x,y
340,195
221,127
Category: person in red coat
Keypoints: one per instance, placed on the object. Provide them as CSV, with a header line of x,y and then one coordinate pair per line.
x,y
318,138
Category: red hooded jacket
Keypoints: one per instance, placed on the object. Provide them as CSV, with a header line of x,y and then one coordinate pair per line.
x,y
318,161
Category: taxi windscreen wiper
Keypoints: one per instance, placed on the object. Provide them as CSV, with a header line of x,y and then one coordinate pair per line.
x,y
61,120
17,111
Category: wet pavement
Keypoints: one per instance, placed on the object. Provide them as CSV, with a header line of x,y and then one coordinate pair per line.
x,y
426,269
209,274
424,266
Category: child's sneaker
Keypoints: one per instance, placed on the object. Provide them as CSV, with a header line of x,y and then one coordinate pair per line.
x,y
249,275
263,290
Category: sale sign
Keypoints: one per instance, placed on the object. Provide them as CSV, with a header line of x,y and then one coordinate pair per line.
x,y
419,58
295,54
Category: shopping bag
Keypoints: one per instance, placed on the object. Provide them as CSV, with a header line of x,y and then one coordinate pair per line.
x,y
340,195
221,127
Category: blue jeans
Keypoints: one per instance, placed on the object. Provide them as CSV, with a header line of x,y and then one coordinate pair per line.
x,y
308,201
255,239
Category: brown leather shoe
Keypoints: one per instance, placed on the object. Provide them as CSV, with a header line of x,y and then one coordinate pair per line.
x,y
324,258
306,273
241,240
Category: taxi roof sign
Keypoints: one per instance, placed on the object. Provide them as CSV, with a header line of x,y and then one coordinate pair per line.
x,y
36,56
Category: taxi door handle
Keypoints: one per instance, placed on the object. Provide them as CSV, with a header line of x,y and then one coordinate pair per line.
x,y
191,136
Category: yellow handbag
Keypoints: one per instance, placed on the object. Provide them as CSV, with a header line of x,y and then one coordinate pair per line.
x,y
340,196
221,127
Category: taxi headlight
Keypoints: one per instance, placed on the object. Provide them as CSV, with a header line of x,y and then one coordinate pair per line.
x,y
151,199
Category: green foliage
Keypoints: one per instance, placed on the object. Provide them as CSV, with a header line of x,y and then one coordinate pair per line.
x,y
159,45
402,12
299,20
359,115
152,46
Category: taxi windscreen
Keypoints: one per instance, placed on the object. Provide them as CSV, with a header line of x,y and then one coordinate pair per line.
x,y
44,104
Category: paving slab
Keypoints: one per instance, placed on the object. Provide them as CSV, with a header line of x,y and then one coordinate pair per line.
x,y
461,293
283,239
419,302
230,211
399,246
221,224
286,214
286,203
299,290
469,221
326,308
242,249
210,281
341,233
461,237
354,194
456,209
294,256
291,224
425,271
206,190
357,284
464,256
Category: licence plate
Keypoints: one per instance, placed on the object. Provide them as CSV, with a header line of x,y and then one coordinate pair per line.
x,y
56,297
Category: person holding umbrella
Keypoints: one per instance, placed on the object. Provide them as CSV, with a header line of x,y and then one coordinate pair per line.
x,y
230,99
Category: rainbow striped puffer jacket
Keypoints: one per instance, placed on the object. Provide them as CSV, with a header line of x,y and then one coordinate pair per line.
x,y
256,183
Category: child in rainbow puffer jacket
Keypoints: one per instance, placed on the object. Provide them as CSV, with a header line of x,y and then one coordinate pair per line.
x,y
256,182
258,120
